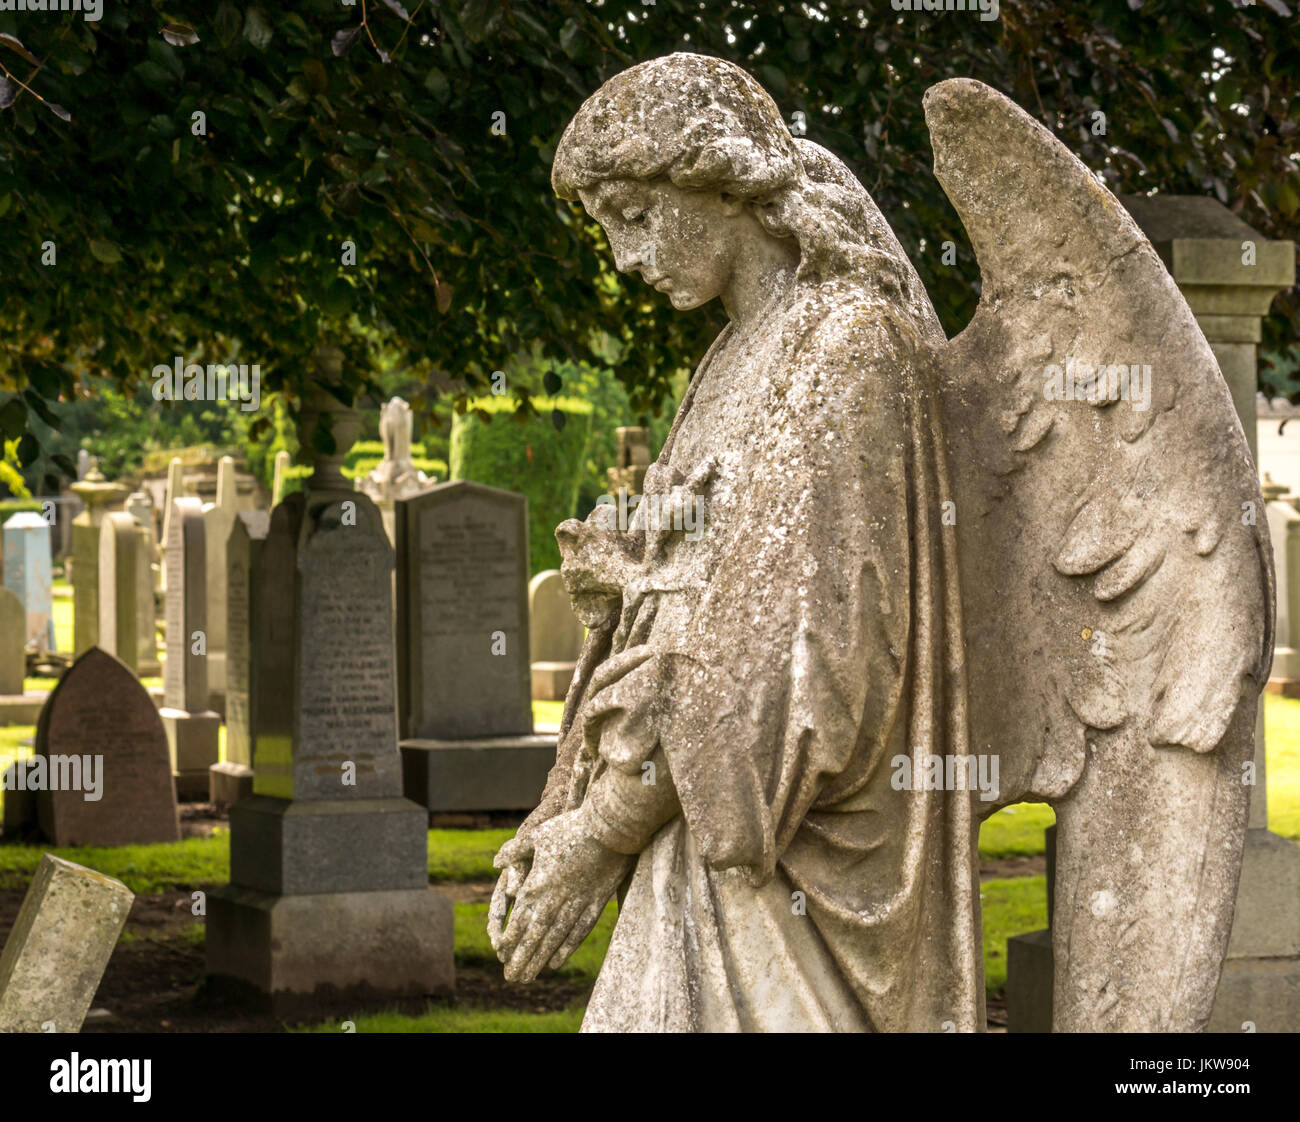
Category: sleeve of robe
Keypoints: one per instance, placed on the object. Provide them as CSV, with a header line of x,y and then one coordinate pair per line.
x,y
782,689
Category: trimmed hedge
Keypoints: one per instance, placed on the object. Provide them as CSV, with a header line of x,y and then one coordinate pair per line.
x,y
534,458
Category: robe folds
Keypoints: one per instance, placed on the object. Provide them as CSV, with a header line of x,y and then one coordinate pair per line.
x,y
781,661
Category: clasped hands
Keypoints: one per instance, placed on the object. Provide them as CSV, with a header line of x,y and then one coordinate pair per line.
x,y
559,878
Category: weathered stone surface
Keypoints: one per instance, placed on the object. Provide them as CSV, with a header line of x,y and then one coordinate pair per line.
x,y
59,946
119,588
100,497
192,727
27,573
13,657
492,773
228,783
100,734
1079,606
243,657
328,949
462,613
218,519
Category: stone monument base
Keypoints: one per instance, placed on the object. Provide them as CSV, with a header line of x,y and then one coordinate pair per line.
x,y
332,947
551,680
492,773
291,847
228,783
192,741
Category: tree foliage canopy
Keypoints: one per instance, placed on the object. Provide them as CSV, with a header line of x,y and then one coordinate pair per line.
x,y
372,123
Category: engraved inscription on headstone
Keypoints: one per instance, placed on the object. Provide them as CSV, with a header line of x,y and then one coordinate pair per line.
x,y
463,613
243,553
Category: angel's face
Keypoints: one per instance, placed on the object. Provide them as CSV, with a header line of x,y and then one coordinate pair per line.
x,y
684,243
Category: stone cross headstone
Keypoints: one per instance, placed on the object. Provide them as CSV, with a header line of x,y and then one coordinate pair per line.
x,y
119,587
100,498
13,656
555,636
282,462
327,860
462,613
192,728
59,946
244,677
28,573
395,476
218,518
101,746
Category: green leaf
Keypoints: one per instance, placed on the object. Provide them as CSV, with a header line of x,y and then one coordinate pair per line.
x,y
257,30
29,448
38,406
179,34
228,22
105,252
13,419
552,382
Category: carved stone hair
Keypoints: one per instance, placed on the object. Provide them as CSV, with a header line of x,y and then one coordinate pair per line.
x,y
704,124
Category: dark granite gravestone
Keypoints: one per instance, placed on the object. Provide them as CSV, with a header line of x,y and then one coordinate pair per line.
x,y
104,747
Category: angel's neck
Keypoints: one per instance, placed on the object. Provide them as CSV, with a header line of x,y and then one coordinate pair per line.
x,y
762,278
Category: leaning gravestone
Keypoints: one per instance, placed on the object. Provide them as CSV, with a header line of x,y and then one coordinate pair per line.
x,y
27,573
192,728
555,636
232,779
119,588
59,946
329,886
218,518
100,497
463,651
106,774
13,656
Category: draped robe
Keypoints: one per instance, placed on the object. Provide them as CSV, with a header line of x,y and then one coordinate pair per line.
x,y
783,663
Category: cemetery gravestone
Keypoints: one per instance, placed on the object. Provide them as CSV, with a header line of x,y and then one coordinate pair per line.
x,y
100,498
13,655
119,587
633,460
555,635
232,779
107,775
59,945
463,650
218,518
28,574
140,507
327,860
175,490
192,728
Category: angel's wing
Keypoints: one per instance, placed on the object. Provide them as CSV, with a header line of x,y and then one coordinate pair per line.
x,y
1115,570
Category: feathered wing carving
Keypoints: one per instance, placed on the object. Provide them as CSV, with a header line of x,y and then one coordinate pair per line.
x,y
1115,570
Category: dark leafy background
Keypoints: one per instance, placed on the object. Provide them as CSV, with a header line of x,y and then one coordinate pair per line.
x,y
321,130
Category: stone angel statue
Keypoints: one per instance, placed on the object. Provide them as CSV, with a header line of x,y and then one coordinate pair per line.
x,y
1029,555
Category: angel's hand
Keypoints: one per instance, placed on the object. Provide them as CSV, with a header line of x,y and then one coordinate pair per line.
x,y
513,859
571,880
